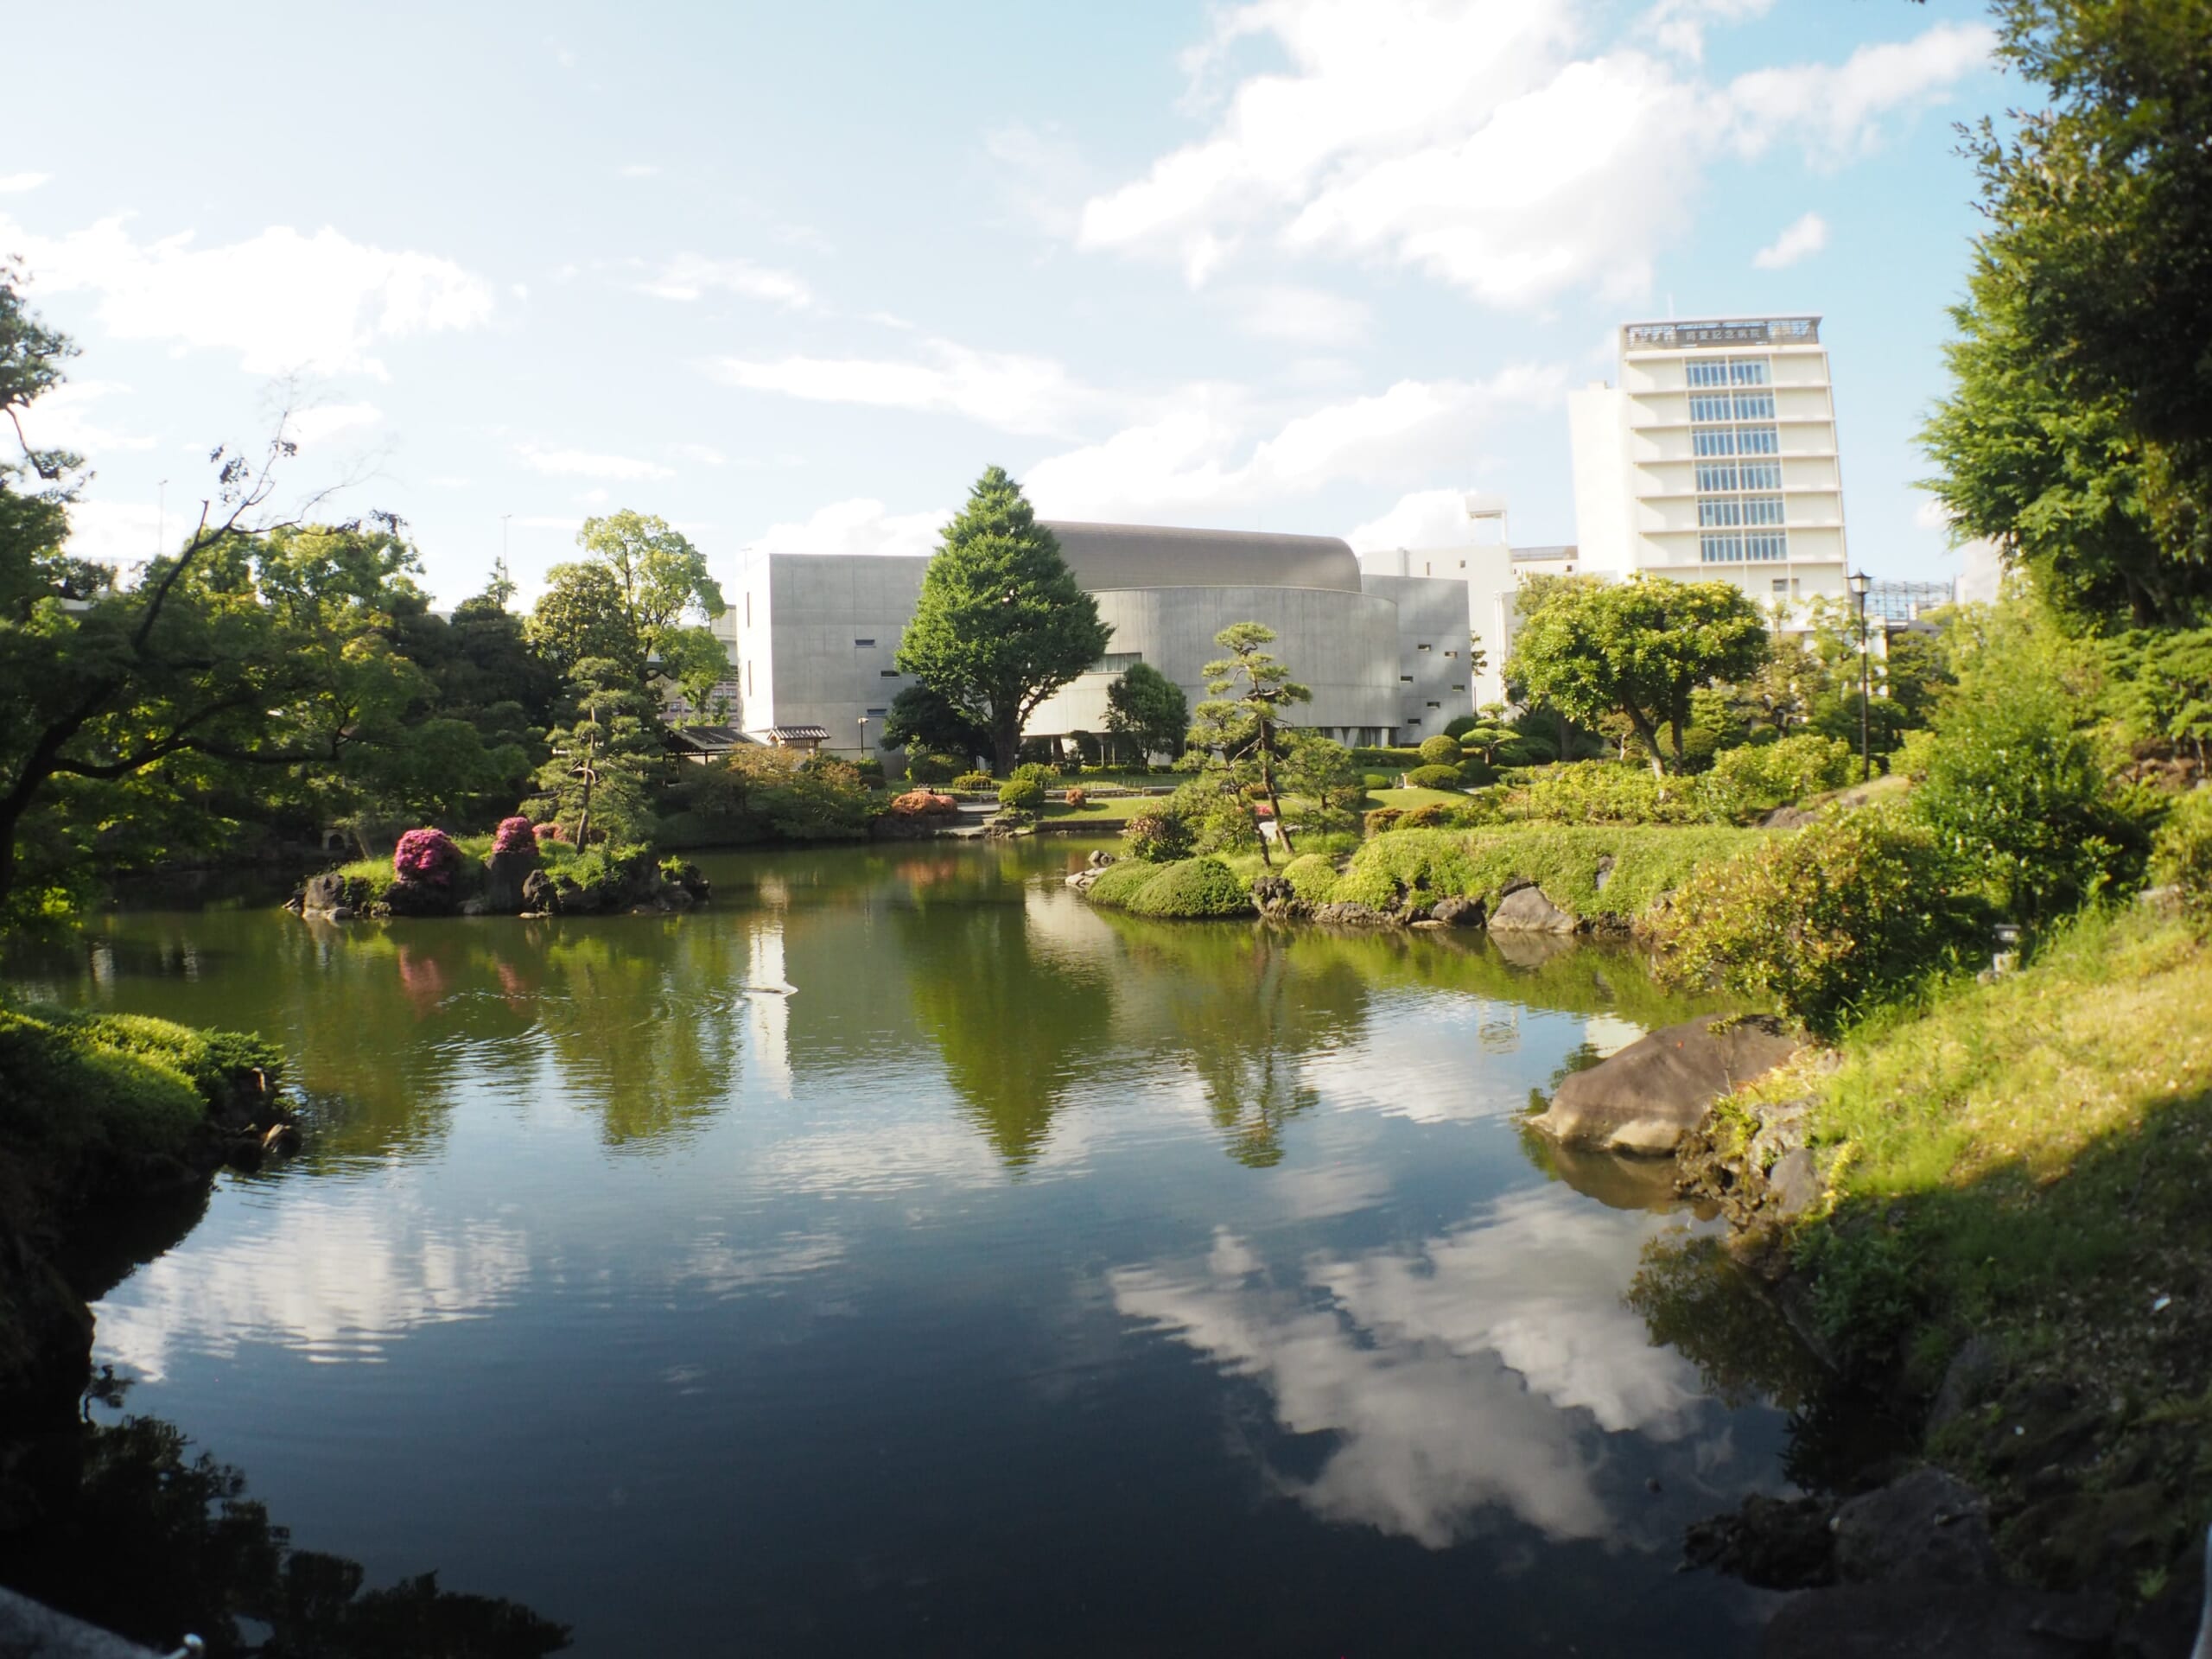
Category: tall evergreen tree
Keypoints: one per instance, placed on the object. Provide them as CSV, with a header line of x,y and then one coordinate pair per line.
x,y
1001,624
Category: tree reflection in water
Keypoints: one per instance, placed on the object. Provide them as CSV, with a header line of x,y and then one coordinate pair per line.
x,y
127,1528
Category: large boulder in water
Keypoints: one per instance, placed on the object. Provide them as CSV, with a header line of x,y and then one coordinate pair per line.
x,y
1525,910
504,875
324,894
1658,1089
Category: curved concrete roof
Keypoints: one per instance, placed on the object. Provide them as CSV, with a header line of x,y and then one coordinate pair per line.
x,y
1107,557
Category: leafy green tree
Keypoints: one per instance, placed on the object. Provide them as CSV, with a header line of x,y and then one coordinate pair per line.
x,y
1240,724
640,587
925,720
2162,689
1322,772
1638,649
1001,624
1147,712
769,794
579,619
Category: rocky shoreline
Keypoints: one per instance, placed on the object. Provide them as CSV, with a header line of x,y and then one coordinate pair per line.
x,y
514,884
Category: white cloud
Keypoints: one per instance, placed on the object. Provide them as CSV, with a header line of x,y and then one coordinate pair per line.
x,y
857,526
1679,25
121,533
581,463
1041,175
1199,454
281,300
66,418
593,499
692,276
1807,236
15,183
324,421
1004,389
1471,142
1305,316
705,453
1424,518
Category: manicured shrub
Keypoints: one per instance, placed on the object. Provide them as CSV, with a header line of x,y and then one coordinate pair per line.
x,y
1312,878
1429,815
1412,868
1041,772
1077,797
1381,820
2181,855
1746,782
926,769
1441,750
923,804
1158,838
1118,883
543,833
1433,777
514,836
1021,795
975,780
427,856
1612,871
1195,888
1610,791
1825,921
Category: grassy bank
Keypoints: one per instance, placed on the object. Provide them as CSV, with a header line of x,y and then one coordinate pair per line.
x,y
2019,1217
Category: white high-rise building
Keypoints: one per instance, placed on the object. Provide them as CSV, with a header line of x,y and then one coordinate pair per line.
x,y
1714,456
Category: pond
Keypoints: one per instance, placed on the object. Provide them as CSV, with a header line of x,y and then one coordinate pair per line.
x,y
901,1256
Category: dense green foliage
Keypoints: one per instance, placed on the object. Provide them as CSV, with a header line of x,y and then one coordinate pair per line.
x,y
1240,731
632,600
1192,889
1312,878
772,794
1824,922
2181,854
1410,869
596,782
1440,750
1022,795
1757,778
1146,713
926,723
1637,650
1158,838
1433,777
1001,624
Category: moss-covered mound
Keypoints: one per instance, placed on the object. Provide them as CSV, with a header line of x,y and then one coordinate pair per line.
x,y
1312,878
1189,889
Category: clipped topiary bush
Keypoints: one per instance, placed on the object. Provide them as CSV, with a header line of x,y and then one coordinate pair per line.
x,y
1381,820
426,855
1429,815
514,836
973,781
2181,854
923,804
1610,791
1077,797
1312,878
1190,890
1411,869
1434,776
1823,923
1158,838
1021,795
1441,750
1118,883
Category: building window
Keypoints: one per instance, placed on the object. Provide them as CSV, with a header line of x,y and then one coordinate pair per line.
x,y
1116,662
1759,476
1420,647
1713,441
1766,544
887,673
1451,653
1754,405
1719,511
863,645
1716,475
1718,408
1436,705
1721,547
1758,440
1413,720
1710,372
1405,679
877,714
1459,688
1761,509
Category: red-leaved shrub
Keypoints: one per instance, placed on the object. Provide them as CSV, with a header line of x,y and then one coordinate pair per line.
x,y
546,832
426,855
1077,797
923,804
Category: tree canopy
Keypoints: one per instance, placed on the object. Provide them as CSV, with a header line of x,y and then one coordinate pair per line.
x,y
1637,650
923,719
1240,724
1147,711
1001,624
641,591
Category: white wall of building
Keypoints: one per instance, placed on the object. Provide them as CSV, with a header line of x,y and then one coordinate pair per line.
x,y
815,636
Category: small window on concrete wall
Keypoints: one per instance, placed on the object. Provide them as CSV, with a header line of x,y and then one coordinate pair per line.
x,y
863,645
1405,679
1436,705
887,673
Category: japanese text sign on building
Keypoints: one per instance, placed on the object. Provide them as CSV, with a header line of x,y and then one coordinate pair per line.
x,y
1763,331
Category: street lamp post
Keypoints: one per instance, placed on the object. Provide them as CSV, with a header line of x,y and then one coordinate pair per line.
x,y
1859,583
863,737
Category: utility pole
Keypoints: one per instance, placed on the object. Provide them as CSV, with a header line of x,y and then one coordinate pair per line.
x,y
1858,584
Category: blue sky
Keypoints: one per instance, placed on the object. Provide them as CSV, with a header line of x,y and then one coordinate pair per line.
x,y
794,275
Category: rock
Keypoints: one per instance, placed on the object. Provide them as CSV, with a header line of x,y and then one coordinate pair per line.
x,y
1648,1096
539,896
1924,1618
2078,1538
281,1138
1771,1543
1604,871
693,880
1346,914
504,875
1525,910
1794,1185
30,1630
323,894
1974,1375
1083,880
1455,909
676,896
1273,896
475,908
1926,1525
409,898
1099,859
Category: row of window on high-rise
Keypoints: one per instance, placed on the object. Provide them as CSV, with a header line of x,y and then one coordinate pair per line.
x,y
1708,440
1732,406
1743,547
1723,512
1729,372
1739,475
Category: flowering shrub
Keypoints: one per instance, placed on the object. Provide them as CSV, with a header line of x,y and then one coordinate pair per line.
x,y
1077,797
923,804
426,855
1157,838
545,832
514,836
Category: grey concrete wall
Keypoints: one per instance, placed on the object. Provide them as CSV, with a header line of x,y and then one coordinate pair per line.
x,y
1432,682
1343,645
800,660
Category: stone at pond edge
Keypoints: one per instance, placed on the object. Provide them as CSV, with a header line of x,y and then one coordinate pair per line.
x,y
1526,910
504,876
324,894
1657,1089
406,898
1927,1524
1770,1543
1455,910
1343,913
1923,1618
539,896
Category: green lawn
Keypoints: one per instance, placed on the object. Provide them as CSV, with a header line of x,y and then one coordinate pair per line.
x,y
1109,814
1406,800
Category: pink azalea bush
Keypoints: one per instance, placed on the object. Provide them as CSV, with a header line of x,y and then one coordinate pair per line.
x,y
514,836
545,832
426,855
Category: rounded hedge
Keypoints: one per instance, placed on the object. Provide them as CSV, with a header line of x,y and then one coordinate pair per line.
x,y
1434,776
1022,795
1312,878
1118,883
1411,867
1194,888
1440,750
1158,838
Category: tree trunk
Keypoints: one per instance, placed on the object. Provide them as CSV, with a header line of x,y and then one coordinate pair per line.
x,y
1005,742
1268,783
1650,736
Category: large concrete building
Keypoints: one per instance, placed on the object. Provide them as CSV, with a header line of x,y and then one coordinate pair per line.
x,y
1385,660
1714,456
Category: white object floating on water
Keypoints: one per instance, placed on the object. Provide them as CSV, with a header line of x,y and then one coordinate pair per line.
x,y
2162,1304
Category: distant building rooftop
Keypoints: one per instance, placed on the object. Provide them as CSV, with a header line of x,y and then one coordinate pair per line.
x,y
1107,557
1542,554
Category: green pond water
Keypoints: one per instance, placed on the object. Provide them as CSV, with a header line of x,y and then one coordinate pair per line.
x,y
901,1256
